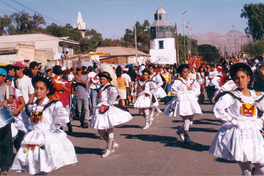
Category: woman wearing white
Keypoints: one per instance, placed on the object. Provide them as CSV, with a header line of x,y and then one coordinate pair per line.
x,y
239,139
146,98
160,93
185,103
107,113
46,147
201,80
193,74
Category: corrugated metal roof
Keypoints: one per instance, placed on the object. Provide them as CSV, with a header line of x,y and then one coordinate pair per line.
x,y
119,51
161,23
32,37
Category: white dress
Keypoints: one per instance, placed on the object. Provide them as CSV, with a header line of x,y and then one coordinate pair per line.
x,y
113,115
239,140
46,147
160,93
146,95
185,102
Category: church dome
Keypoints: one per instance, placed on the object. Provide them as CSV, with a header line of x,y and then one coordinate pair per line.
x,y
160,10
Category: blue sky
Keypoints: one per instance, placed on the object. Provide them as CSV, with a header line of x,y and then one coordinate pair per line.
x,y
111,18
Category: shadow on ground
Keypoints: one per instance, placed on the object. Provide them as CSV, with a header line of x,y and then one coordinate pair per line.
x,y
221,160
168,141
207,112
130,126
207,122
209,130
202,121
83,135
80,150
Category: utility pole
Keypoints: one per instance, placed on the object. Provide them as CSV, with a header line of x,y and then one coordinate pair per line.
x,y
177,46
135,29
136,40
184,36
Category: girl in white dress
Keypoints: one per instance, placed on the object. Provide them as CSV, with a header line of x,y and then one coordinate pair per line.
x,y
185,104
158,94
45,147
239,139
107,113
146,98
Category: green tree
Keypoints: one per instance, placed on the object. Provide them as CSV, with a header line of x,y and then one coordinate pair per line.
x,y
143,37
209,53
67,30
24,23
193,47
256,48
5,22
255,15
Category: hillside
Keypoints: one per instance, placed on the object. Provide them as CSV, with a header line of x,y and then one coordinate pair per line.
x,y
231,41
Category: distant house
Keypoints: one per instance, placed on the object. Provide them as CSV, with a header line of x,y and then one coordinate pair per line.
x,y
118,55
33,47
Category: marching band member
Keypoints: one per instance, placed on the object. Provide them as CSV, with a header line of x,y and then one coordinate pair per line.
x,y
146,98
185,103
46,147
239,139
107,114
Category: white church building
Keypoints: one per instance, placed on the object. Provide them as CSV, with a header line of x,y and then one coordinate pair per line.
x,y
80,24
162,43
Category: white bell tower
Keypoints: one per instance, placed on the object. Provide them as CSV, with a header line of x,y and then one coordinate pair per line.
x,y
162,43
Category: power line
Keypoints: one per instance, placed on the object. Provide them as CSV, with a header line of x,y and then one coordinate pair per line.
x,y
6,11
57,8
37,12
10,6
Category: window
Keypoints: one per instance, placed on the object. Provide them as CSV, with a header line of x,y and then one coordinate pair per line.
x,y
161,44
69,46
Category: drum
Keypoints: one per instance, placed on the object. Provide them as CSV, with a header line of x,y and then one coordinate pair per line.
x,y
6,117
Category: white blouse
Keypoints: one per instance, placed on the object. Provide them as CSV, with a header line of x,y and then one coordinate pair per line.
x,y
242,114
181,86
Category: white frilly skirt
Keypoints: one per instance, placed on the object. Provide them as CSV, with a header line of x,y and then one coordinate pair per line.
x,y
160,93
44,151
185,105
145,101
114,116
234,144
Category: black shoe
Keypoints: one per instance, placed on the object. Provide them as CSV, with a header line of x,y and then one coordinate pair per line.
x,y
180,133
187,139
253,170
82,124
69,127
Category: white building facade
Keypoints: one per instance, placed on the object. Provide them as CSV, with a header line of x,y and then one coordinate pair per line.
x,y
162,43
30,47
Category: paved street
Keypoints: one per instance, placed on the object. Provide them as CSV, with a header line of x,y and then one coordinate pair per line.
x,y
156,151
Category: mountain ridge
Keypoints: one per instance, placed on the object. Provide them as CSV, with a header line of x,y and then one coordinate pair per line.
x,y
230,42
